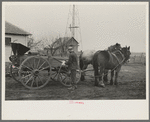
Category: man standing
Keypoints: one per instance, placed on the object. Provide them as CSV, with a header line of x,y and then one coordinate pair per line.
x,y
72,65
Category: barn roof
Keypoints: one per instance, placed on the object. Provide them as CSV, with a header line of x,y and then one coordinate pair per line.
x,y
65,40
14,30
72,38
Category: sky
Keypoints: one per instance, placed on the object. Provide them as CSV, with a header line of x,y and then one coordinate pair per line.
x,y
101,24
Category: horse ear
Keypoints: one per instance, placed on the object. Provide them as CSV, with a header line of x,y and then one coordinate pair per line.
x,y
129,48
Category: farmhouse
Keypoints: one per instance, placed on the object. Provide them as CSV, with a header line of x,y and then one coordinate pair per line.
x,y
14,34
62,44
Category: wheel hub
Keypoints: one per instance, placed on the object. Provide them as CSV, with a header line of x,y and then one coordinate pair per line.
x,y
36,72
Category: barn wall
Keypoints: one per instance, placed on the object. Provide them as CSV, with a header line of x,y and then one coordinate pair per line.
x,y
74,44
20,39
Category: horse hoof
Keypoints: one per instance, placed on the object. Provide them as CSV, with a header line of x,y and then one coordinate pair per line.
x,y
107,83
96,84
116,84
102,85
111,83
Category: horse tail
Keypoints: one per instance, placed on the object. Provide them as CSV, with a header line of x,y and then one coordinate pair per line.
x,y
94,61
81,61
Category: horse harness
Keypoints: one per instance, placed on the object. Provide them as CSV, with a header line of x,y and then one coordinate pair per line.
x,y
117,60
123,58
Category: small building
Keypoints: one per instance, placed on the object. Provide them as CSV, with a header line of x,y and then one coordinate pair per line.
x,y
16,35
62,44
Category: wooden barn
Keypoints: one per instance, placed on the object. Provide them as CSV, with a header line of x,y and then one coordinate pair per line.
x,y
14,34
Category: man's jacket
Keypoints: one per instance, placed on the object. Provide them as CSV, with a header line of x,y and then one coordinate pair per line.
x,y
73,61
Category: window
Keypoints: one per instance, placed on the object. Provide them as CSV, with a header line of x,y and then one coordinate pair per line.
x,y
7,41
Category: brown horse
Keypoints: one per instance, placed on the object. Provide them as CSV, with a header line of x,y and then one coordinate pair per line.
x,y
86,58
104,60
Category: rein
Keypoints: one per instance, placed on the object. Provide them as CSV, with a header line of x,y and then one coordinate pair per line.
x,y
113,53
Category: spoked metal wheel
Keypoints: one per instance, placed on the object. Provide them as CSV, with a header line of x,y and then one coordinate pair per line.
x,y
35,72
14,72
64,76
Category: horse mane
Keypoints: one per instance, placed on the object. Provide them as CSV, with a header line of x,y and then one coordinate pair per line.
x,y
112,48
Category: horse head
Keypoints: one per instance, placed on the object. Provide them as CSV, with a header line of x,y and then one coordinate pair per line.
x,y
126,52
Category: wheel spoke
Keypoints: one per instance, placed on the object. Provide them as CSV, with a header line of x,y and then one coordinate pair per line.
x,y
44,68
55,75
41,65
66,81
27,67
40,79
36,81
30,64
28,80
32,83
64,78
38,64
26,76
60,76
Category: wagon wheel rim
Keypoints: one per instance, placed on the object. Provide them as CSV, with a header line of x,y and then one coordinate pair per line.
x,y
78,75
14,72
65,77
35,72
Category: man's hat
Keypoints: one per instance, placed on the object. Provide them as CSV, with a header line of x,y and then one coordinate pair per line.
x,y
70,48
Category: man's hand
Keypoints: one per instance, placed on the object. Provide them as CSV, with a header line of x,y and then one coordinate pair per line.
x,y
63,63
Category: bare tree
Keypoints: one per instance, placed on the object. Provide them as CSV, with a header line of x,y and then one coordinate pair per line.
x,y
57,44
32,43
53,44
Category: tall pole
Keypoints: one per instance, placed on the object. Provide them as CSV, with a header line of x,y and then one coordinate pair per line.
x,y
73,21
73,27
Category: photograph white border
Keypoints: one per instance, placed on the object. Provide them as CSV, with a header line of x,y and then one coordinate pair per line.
x,y
62,109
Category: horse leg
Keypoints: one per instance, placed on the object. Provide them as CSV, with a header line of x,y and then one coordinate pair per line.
x,y
105,76
101,83
83,73
82,76
96,75
116,75
112,75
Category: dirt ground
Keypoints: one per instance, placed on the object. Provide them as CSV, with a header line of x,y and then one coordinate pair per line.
x,y
131,85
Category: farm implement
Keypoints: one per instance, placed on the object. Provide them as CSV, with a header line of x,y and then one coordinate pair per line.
x,y
35,71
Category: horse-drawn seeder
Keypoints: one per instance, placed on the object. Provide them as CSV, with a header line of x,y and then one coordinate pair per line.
x,y
35,71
